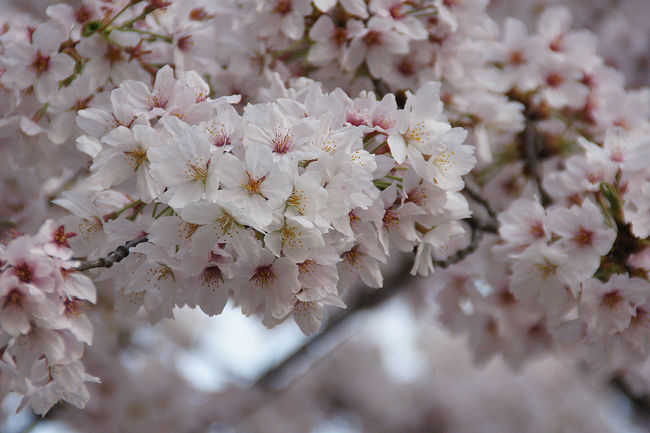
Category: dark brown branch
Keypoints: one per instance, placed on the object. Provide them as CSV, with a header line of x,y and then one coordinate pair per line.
x,y
531,150
368,299
474,195
641,403
477,234
113,257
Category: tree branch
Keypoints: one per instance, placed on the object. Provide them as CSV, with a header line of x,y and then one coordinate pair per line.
x,y
113,257
641,403
367,299
477,234
531,150
474,195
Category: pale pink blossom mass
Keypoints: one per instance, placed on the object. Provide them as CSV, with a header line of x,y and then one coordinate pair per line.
x,y
484,161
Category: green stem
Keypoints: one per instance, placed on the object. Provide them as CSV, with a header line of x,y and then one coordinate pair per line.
x,y
162,212
381,184
167,39
379,147
106,35
137,211
116,214
118,14
132,21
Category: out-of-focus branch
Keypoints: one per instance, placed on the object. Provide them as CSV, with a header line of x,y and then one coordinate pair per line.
x,y
531,150
474,195
113,257
477,234
270,382
367,299
641,403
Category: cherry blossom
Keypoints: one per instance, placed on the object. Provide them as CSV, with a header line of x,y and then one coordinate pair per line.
x,y
277,156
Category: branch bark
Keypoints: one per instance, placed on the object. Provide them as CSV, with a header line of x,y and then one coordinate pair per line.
x,y
641,403
368,299
113,257
474,195
531,150
477,234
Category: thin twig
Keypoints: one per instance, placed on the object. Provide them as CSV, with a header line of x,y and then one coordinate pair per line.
x,y
113,257
380,88
531,149
474,195
477,234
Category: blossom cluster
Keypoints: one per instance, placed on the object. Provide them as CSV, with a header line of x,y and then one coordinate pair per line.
x,y
272,153
570,265
43,325
620,27
280,208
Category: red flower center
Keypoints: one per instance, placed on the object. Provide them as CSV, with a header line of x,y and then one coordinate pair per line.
x,y
263,276
41,63
23,272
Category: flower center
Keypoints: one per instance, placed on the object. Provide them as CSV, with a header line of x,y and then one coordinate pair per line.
x,y
282,142
554,80
137,157
352,257
445,159
197,171
290,235
219,135
263,276
226,223
295,201
198,14
339,36
611,299
417,133
160,273
283,7
61,237
211,276
113,54
13,299
306,268
418,197
396,11
187,230
41,63
516,58
545,270
391,219
406,67
583,238
23,272
73,307
253,185
372,38
82,14
157,100
185,43
537,229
